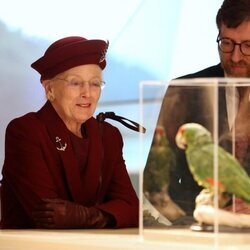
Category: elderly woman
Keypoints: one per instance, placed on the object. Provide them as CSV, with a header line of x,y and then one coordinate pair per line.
x,y
63,168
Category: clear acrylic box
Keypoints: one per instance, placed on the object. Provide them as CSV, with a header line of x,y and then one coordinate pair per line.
x,y
168,190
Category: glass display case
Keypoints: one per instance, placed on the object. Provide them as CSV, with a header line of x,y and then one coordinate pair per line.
x,y
195,184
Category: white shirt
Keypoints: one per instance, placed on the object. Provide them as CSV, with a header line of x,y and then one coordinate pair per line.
x,y
232,101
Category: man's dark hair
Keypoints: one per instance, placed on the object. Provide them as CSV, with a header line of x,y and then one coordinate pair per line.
x,y
233,12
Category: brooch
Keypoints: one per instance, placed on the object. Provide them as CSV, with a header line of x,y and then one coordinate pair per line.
x,y
61,146
103,56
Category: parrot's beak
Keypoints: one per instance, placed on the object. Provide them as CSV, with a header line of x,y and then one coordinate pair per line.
x,y
180,140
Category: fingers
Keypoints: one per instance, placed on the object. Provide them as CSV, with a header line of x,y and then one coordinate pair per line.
x,y
54,201
44,219
45,224
48,204
43,214
43,207
54,213
41,220
48,213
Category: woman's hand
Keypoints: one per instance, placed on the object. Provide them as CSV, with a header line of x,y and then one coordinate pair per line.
x,y
63,214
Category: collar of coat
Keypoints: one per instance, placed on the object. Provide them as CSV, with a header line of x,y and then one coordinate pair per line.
x,y
80,189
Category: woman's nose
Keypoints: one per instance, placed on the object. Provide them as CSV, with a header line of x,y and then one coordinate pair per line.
x,y
85,89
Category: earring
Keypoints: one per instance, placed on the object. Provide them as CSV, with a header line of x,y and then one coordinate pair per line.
x,y
50,97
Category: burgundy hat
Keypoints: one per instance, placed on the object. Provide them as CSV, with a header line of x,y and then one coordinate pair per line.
x,y
70,52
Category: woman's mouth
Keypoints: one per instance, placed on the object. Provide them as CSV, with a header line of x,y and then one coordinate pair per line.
x,y
83,105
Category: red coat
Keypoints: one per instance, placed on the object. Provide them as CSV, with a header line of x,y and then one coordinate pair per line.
x,y
34,169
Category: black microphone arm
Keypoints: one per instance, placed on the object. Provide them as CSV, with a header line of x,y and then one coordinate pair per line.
x,y
126,122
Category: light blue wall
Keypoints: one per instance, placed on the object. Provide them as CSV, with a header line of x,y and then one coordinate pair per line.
x,y
149,40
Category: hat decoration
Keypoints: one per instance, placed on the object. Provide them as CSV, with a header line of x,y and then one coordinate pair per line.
x,y
70,52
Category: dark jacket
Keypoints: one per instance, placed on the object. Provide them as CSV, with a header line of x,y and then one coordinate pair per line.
x,y
213,71
34,169
183,105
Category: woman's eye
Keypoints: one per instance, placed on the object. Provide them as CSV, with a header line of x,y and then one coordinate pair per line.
x,y
75,82
95,83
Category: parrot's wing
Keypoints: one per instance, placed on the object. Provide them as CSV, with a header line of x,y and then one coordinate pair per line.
x,y
200,162
232,176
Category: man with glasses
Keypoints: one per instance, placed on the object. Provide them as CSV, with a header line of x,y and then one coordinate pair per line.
x,y
182,105
233,23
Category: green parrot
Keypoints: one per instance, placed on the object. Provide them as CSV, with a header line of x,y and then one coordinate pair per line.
x,y
161,160
199,150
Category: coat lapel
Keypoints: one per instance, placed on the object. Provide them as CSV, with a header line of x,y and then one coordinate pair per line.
x,y
93,174
60,137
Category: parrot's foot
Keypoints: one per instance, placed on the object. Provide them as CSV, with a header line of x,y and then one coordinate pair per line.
x,y
206,197
202,227
207,214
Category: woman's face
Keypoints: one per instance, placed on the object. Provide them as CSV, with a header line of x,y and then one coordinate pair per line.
x,y
75,93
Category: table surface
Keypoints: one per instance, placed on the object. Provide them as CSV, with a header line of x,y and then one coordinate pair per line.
x,y
120,239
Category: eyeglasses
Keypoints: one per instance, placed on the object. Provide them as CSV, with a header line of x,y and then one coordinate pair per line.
x,y
227,45
76,82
